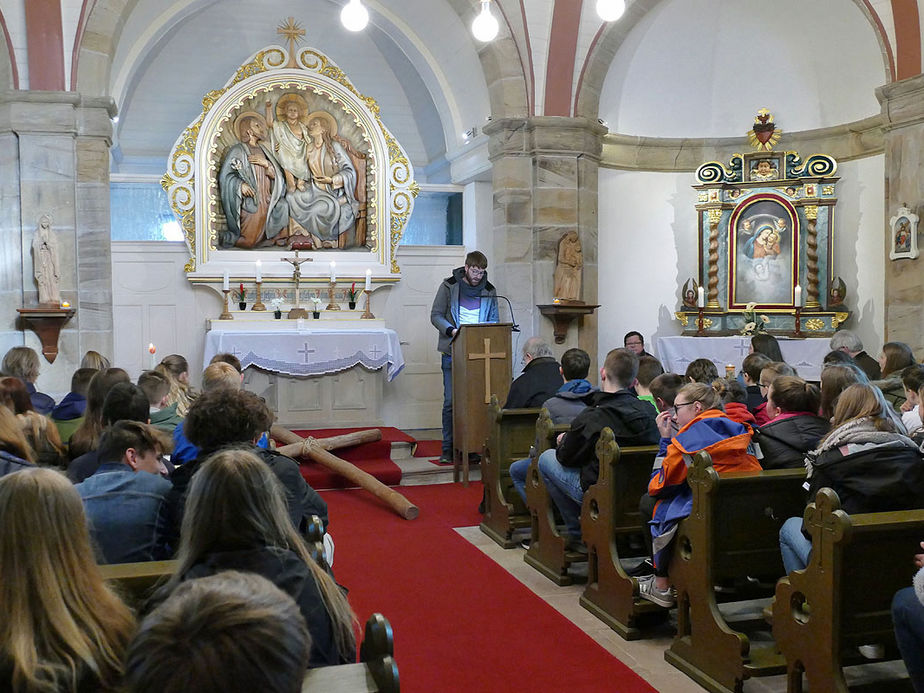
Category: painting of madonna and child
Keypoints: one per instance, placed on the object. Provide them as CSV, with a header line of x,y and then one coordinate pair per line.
x,y
292,173
762,235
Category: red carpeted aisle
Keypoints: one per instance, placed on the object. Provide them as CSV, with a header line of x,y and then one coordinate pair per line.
x,y
461,622
372,458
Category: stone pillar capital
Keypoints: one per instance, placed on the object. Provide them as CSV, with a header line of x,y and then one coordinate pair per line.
x,y
902,102
545,135
56,113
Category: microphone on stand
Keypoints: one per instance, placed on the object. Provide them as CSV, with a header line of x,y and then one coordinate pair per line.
x,y
515,328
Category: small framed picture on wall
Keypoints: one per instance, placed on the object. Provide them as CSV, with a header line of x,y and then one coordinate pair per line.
x,y
904,234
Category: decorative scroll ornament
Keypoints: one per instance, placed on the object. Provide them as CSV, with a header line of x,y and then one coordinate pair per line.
x,y
764,134
816,166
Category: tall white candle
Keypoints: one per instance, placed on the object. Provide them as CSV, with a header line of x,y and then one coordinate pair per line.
x,y
333,271
798,293
259,270
152,350
368,280
226,284
700,297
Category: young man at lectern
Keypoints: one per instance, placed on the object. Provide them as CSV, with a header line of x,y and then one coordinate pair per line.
x,y
465,298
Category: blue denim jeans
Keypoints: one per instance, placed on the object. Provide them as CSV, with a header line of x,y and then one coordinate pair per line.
x,y
446,365
793,545
518,471
908,621
564,484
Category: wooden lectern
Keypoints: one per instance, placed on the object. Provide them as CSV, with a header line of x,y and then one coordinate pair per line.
x,y
481,367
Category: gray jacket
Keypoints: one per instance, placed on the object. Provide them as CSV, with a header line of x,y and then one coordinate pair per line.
x,y
445,311
564,406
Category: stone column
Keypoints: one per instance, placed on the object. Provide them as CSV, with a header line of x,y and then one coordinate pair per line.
x,y
54,159
903,116
545,185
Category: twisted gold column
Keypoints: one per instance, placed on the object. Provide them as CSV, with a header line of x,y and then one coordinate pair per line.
x,y
811,265
713,294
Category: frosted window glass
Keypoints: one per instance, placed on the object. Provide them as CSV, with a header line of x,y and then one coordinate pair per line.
x,y
140,212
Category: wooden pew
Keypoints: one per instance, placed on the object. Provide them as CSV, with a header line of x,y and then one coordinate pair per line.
x,y
547,550
136,581
376,670
511,433
609,513
731,534
843,598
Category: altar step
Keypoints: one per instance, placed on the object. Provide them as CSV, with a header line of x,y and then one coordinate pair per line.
x,y
420,470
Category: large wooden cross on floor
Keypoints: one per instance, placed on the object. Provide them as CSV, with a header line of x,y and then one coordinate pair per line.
x,y
487,356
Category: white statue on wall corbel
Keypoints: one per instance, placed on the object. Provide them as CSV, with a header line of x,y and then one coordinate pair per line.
x,y
903,242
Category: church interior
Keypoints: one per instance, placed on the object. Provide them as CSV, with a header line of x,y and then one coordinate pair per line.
x,y
292,183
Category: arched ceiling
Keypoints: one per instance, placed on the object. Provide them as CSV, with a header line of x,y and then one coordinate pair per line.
x,y
429,83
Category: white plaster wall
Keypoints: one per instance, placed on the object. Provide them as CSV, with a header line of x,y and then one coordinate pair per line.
x,y
702,68
648,250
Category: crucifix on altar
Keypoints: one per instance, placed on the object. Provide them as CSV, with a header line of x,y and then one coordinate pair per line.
x,y
296,262
481,367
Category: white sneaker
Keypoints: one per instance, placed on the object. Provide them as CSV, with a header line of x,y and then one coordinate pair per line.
x,y
647,589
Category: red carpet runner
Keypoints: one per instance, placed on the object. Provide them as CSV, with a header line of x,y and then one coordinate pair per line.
x,y
462,623
372,458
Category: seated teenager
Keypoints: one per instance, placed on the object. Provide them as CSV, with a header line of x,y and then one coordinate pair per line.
x,y
249,636
86,437
649,368
225,418
866,458
156,388
563,406
894,358
794,427
839,357
767,345
230,359
124,402
124,499
697,411
176,369
664,389
15,453
908,621
734,400
834,380
701,371
236,519
41,435
63,629
68,415
22,362
912,381
541,377
751,367
768,374
571,468
95,360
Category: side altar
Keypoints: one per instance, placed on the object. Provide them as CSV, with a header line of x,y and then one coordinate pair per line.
x,y
765,225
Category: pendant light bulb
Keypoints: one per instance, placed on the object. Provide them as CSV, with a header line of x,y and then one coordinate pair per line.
x,y
485,26
610,10
354,16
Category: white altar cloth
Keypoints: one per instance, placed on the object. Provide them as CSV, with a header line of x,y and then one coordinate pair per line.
x,y
309,350
675,353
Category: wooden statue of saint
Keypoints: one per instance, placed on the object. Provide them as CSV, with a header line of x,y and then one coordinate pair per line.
x,y
46,264
568,269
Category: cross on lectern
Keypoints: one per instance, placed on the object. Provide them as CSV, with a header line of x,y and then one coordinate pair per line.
x,y
487,356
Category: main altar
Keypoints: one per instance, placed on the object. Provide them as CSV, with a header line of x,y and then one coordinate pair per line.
x,y
293,196
765,229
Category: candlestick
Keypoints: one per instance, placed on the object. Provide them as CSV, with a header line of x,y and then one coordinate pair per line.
x,y
333,272
259,272
368,280
798,332
226,286
259,303
152,350
700,297
701,329
226,314
330,295
367,314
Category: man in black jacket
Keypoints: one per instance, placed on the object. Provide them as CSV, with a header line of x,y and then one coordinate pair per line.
x,y
540,379
572,468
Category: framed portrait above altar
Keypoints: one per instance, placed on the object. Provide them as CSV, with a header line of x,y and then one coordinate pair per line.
x,y
763,252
